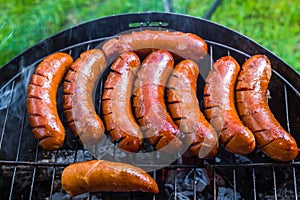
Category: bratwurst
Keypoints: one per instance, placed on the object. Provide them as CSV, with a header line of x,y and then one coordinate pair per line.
x,y
148,101
253,108
116,103
41,100
78,102
105,176
219,107
184,45
184,109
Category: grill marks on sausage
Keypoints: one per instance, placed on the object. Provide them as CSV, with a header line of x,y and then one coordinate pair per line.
x,y
219,101
219,104
185,111
252,105
116,103
78,102
41,100
148,101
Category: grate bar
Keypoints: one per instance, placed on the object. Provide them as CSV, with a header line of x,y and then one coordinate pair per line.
x,y
52,181
274,183
32,183
215,184
12,183
34,171
53,176
6,114
289,130
211,56
286,108
234,184
295,183
154,177
195,185
175,184
18,153
254,183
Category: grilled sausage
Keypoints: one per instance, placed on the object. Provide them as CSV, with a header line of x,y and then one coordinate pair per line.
x,y
252,105
116,103
41,100
105,176
219,104
78,103
184,109
148,101
185,45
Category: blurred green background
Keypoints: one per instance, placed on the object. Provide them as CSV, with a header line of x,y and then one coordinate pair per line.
x,y
275,24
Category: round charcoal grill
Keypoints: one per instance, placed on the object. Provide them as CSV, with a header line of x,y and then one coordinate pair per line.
x,y
27,172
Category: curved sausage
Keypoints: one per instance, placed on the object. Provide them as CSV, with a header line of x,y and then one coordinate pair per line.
x,y
105,176
148,101
184,109
185,45
219,107
78,89
41,100
252,105
116,103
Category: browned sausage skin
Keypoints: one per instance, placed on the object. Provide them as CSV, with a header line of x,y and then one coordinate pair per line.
x,y
106,176
78,89
184,109
116,103
253,108
148,100
185,45
219,104
41,100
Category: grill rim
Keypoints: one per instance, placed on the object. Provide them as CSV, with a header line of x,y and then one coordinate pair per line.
x,y
272,166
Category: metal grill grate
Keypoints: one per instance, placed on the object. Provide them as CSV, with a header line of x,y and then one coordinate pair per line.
x,y
23,164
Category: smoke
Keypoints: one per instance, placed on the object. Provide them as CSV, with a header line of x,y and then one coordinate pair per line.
x,y
13,115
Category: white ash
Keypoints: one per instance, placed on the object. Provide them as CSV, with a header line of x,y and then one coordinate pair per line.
x,y
64,196
227,194
241,159
66,156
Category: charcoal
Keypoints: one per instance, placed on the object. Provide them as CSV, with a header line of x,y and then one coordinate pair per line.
x,y
201,180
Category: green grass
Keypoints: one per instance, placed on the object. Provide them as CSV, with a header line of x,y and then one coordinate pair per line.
x,y
274,24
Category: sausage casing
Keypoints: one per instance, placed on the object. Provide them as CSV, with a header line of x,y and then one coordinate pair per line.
x,y
185,45
220,110
41,100
184,108
106,176
116,103
78,90
148,101
253,108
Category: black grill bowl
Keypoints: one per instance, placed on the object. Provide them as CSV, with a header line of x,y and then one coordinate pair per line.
x,y
24,166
